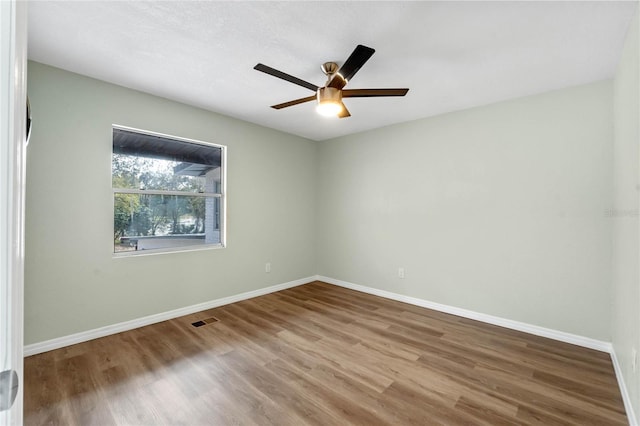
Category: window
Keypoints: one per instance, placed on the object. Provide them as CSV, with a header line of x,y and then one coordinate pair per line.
x,y
168,192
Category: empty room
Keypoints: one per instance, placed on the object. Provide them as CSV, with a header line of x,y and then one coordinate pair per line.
x,y
322,213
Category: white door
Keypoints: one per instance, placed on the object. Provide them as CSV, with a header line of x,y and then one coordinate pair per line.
x,y
12,179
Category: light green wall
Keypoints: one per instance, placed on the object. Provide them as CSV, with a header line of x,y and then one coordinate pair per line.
x,y
626,179
498,209
74,284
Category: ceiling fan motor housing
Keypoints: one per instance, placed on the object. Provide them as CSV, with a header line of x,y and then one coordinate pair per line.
x,y
329,94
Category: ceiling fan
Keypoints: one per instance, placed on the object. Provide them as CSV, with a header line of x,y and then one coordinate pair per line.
x,y
330,96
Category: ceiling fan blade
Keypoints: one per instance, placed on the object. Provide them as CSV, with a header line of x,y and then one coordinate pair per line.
x,y
344,113
294,102
337,81
354,62
295,80
369,93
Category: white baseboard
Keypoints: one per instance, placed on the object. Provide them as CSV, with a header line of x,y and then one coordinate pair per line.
x,y
574,339
631,415
49,345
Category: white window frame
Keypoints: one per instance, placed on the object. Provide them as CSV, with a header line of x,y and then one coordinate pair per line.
x,y
222,196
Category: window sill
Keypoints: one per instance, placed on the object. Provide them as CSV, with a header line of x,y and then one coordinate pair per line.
x,y
128,254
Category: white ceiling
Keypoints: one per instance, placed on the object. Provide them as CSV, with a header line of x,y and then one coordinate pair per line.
x,y
452,55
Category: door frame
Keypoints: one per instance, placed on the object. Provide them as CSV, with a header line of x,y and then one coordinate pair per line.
x,y
12,195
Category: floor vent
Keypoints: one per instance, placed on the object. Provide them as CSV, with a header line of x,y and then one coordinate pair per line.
x,y
204,322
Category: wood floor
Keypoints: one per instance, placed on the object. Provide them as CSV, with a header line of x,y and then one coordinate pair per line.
x,y
322,355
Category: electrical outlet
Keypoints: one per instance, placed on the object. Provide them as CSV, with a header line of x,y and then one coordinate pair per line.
x,y
401,273
267,267
634,360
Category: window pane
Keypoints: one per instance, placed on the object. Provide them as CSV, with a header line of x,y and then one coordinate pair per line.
x,y
144,161
148,222
151,173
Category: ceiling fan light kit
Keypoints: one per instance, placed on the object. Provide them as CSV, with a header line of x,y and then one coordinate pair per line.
x,y
329,101
329,97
